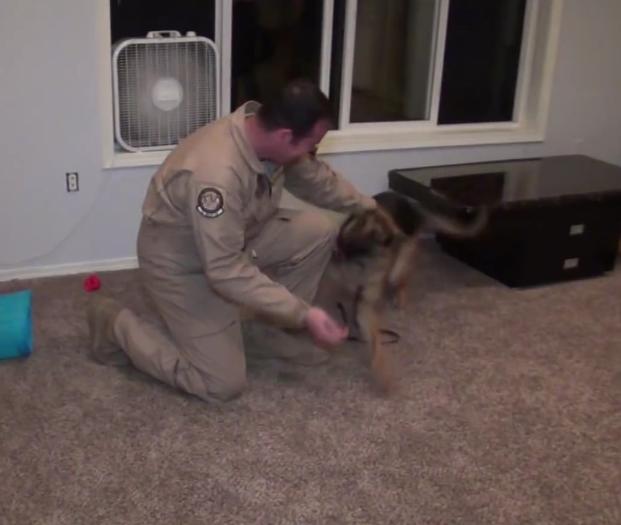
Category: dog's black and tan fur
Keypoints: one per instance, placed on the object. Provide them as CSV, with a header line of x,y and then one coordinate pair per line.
x,y
375,253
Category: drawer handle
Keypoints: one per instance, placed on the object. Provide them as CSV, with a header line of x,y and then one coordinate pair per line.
x,y
569,264
576,229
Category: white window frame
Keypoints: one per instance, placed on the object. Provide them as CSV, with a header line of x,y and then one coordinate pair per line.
x,y
539,45
533,90
124,159
435,82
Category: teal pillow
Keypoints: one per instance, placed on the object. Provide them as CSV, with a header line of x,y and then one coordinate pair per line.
x,y
15,324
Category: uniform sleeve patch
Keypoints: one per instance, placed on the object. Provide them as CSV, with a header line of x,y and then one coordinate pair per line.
x,y
210,203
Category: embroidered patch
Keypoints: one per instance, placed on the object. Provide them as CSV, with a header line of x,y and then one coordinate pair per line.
x,y
210,203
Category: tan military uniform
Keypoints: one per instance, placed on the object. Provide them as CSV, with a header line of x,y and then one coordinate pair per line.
x,y
213,240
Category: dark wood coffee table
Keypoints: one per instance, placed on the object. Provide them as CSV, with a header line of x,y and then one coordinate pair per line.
x,y
551,219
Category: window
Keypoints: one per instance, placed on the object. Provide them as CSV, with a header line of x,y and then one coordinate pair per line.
x,y
135,18
403,73
273,41
481,61
392,61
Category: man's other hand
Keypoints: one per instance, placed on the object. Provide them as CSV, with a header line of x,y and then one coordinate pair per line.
x,y
324,329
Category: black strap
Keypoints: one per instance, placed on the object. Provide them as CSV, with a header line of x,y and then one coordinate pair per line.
x,y
389,336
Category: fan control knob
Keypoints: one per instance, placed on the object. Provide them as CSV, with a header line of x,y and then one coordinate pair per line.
x,y
167,93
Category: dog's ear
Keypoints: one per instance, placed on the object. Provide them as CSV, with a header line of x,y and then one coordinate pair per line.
x,y
386,231
375,229
355,235
379,237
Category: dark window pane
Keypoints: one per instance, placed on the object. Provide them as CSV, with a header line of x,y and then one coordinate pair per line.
x,y
336,61
274,41
135,18
481,61
392,60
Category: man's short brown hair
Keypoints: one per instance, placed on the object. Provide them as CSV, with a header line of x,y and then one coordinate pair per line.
x,y
298,106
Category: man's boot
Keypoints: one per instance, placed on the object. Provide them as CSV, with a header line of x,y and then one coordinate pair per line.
x,y
102,313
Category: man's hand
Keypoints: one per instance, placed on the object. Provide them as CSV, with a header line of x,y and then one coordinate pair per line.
x,y
324,329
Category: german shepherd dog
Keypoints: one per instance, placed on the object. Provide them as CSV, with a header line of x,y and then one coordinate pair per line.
x,y
374,260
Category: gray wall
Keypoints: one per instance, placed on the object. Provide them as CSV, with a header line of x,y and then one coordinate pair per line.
x,y
50,123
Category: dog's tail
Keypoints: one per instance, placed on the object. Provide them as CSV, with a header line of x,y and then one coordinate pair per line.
x,y
450,224
411,216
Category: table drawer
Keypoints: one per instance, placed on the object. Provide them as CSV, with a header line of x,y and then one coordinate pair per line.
x,y
532,246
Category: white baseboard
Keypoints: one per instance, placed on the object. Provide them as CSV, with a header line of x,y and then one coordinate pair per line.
x,y
105,265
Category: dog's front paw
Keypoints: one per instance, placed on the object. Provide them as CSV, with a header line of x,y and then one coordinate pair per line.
x,y
383,373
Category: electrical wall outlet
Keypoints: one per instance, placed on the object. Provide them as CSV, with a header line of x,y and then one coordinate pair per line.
x,y
72,179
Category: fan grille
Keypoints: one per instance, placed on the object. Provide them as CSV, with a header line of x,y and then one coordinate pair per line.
x,y
140,66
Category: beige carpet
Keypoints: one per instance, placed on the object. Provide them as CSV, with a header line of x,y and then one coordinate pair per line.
x,y
510,413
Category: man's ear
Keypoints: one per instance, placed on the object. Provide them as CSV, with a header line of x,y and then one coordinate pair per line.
x,y
284,135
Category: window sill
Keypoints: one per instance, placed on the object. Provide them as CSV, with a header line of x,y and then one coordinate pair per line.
x,y
135,160
359,140
365,140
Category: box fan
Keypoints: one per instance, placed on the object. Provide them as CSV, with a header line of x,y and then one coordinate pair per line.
x,y
165,87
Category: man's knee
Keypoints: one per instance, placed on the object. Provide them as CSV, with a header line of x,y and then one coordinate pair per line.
x,y
228,388
217,370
